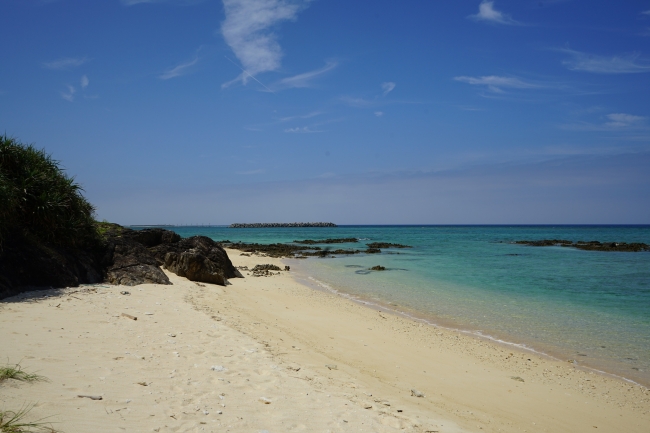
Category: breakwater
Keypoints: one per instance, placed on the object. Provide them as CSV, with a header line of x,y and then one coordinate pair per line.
x,y
273,225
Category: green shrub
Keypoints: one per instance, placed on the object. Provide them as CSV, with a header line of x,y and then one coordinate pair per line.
x,y
38,200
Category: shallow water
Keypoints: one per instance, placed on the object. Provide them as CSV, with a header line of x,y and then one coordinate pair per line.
x,y
593,307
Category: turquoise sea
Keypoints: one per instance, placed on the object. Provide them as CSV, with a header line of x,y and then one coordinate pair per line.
x,y
591,307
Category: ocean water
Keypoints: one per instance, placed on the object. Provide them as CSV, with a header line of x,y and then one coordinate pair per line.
x,y
587,306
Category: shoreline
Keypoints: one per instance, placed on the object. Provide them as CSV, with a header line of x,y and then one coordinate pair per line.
x,y
271,353
552,352
378,306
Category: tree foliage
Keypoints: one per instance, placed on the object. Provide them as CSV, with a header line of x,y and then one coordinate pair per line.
x,y
39,200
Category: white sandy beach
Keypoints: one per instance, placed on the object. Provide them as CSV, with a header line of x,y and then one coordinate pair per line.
x,y
270,355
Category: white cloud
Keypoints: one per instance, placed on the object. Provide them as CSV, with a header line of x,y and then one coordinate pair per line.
x,y
304,79
486,12
69,95
301,116
604,65
622,120
179,70
387,87
379,113
65,63
248,30
614,122
496,84
303,130
646,12
84,82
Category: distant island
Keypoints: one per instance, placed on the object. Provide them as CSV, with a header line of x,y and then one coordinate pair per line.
x,y
266,225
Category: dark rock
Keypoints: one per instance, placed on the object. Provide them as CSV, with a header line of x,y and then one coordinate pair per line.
x,y
378,268
386,245
195,266
272,250
153,237
27,265
202,248
128,262
266,268
373,251
330,253
328,241
589,246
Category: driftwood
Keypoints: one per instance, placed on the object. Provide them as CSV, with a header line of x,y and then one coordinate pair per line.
x,y
128,316
92,397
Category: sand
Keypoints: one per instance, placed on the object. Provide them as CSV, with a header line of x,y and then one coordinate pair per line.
x,y
268,354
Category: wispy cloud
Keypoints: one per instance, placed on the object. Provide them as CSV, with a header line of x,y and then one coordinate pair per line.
x,y
69,95
302,130
304,79
496,83
387,87
84,82
487,13
179,70
379,113
247,29
65,63
301,116
646,12
621,122
627,64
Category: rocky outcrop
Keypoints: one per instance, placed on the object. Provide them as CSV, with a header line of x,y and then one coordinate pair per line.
x,y
188,256
327,241
135,256
634,247
272,250
153,237
377,245
128,262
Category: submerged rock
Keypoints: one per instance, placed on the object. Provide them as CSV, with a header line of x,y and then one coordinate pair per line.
x,y
590,245
378,268
386,245
327,241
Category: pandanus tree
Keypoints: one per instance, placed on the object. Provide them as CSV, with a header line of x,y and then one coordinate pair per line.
x,y
39,201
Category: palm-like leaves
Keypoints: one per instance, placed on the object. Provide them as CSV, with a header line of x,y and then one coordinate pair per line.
x,y
38,199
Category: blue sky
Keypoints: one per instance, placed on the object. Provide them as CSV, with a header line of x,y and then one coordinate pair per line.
x,y
382,112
